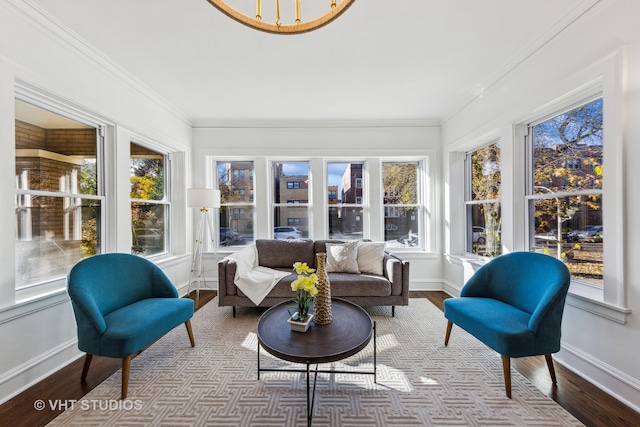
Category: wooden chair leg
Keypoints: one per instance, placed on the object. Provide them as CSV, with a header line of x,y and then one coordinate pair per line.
x,y
446,337
85,368
506,368
552,371
234,311
190,332
126,365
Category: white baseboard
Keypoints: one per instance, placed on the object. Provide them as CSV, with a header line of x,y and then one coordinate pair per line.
x,y
602,375
33,371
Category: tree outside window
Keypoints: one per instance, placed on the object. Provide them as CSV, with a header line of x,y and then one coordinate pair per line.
x,y
483,213
149,202
565,190
402,207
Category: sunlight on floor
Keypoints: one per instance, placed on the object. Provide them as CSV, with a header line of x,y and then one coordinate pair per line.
x,y
388,377
428,381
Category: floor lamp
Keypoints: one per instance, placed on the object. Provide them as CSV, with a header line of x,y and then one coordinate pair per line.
x,y
204,199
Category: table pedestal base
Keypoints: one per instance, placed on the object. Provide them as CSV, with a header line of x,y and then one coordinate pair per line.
x,y
311,393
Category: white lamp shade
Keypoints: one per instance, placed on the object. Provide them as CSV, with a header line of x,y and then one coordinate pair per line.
x,y
203,198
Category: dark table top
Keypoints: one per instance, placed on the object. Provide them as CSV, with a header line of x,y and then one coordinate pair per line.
x,y
349,332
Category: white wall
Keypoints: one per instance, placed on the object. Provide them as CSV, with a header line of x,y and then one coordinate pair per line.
x,y
39,336
598,348
317,140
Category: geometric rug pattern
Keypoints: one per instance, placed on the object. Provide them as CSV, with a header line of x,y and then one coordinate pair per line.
x,y
420,382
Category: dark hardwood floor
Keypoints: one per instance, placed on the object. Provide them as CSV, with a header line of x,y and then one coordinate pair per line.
x,y
587,403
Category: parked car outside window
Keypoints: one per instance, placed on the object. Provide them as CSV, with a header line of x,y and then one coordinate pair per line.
x,y
227,235
147,238
286,233
588,232
479,235
410,239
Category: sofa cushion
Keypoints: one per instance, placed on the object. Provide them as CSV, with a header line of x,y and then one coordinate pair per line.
x,y
137,325
342,257
484,319
371,257
283,253
358,285
342,285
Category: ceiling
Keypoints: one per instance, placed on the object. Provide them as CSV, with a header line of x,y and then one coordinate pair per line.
x,y
381,60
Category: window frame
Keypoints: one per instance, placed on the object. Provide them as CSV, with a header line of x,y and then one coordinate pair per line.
x,y
468,202
166,200
530,191
232,206
293,203
40,99
609,301
360,183
318,207
421,198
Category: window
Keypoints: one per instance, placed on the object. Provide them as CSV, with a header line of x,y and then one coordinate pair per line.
x,y
482,201
402,208
59,200
149,200
235,182
291,198
345,213
347,204
565,200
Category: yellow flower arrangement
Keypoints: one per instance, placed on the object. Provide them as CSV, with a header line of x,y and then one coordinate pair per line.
x,y
305,287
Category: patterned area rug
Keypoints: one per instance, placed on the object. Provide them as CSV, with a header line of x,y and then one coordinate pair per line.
x,y
420,382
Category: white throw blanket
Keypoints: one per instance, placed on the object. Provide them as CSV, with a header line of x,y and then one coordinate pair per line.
x,y
255,281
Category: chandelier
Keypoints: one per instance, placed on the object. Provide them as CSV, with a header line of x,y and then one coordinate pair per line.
x,y
334,9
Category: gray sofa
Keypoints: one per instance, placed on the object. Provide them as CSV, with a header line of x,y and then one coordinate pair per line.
x,y
389,289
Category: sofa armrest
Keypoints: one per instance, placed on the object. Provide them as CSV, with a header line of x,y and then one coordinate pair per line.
x,y
226,275
397,271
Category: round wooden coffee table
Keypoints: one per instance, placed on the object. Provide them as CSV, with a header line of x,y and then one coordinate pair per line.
x,y
350,330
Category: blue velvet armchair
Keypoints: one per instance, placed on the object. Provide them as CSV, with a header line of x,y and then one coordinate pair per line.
x,y
122,304
514,305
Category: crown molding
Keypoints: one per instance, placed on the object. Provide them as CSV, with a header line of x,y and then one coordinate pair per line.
x,y
45,21
320,124
493,81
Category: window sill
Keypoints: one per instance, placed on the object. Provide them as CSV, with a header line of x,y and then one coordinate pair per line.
x,y
590,299
33,304
468,258
41,290
580,296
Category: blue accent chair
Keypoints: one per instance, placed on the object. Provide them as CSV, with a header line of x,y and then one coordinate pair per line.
x,y
122,304
514,305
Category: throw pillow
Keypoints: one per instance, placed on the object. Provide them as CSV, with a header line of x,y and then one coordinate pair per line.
x,y
342,257
370,257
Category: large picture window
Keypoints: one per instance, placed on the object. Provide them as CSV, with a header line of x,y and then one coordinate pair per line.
x,y
350,204
235,182
482,201
149,200
345,197
59,198
565,201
